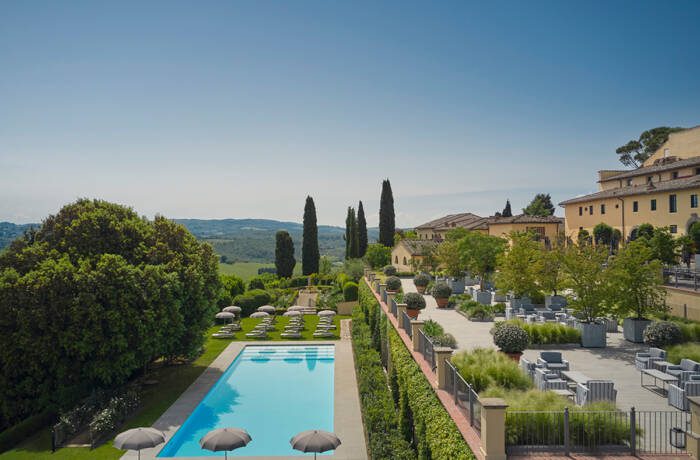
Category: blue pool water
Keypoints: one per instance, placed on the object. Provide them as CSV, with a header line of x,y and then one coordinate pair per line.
x,y
273,392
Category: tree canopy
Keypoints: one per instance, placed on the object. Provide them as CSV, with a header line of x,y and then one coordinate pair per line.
x,y
284,254
635,152
309,247
517,265
480,252
362,240
94,294
541,205
387,223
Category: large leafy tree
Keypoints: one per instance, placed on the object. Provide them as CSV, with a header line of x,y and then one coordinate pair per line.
x,y
586,274
284,254
664,247
516,266
635,152
309,246
603,234
479,253
94,294
361,231
387,223
548,268
378,255
448,257
541,205
636,280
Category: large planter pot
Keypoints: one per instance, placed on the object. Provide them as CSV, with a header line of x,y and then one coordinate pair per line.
x,y
442,301
421,289
413,314
633,329
483,297
514,356
592,334
556,300
518,302
499,297
457,285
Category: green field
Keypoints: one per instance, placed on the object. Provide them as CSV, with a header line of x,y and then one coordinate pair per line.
x,y
248,270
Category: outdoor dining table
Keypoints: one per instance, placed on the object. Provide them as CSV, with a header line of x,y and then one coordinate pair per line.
x,y
576,376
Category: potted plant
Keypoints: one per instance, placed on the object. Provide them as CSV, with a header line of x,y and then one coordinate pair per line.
x,y
389,270
442,293
586,274
414,304
511,339
421,280
393,284
479,254
516,267
636,285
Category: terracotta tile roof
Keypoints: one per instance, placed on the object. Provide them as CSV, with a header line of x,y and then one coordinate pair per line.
x,y
446,221
525,219
663,186
645,170
418,247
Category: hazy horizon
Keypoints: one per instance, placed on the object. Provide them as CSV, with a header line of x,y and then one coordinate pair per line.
x,y
242,109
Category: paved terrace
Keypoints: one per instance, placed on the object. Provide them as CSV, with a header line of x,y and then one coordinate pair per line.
x,y
615,362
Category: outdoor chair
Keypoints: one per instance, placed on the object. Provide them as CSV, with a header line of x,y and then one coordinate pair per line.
x,y
678,393
548,380
291,335
223,335
553,361
547,317
595,391
323,334
684,370
527,309
261,334
528,367
643,360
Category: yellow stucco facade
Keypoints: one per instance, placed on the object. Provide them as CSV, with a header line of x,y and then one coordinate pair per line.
x,y
548,230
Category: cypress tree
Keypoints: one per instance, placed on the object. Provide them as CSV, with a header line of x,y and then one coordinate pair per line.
x,y
348,233
309,246
507,212
354,239
284,254
361,231
387,223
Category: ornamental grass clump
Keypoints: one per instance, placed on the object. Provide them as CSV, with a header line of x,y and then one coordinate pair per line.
x,y
393,283
485,368
683,351
511,338
414,301
437,334
662,334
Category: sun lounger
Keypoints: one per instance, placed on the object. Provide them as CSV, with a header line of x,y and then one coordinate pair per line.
x,y
291,335
257,334
323,334
223,335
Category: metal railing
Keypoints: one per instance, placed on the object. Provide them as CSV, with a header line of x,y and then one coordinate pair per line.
x,y
384,295
596,432
426,348
393,308
406,324
465,398
682,277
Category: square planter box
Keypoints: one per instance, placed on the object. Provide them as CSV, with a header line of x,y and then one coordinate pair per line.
x,y
633,329
499,297
457,285
483,297
592,334
518,302
554,300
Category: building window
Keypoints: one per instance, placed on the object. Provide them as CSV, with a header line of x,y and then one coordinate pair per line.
x,y
653,205
629,181
396,259
590,210
674,175
674,228
580,210
648,179
635,206
672,204
697,171
602,209
404,261
693,201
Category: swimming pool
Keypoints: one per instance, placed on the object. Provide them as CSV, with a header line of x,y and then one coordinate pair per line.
x,y
273,392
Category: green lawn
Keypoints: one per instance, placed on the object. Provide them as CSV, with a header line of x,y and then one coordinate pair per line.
x,y
172,381
310,321
248,270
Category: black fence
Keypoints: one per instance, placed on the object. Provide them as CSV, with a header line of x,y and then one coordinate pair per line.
x,y
426,347
682,278
465,397
406,324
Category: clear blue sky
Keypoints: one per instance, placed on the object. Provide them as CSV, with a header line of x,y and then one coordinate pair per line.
x,y
241,109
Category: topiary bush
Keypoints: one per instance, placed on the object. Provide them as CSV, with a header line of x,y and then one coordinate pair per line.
x,y
421,280
414,301
511,338
389,270
662,333
393,283
251,300
256,283
442,291
350,291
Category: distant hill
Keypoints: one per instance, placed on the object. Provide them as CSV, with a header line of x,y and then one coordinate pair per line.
x,y
253,240
238,240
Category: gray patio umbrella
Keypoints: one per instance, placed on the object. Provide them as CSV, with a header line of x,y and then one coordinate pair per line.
x,y
259,314
315,441
225,439
292,313
267,308
139,438
232,309
326,313
225,315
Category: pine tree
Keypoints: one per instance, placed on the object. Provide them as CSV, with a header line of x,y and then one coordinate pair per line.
x,y
361,231
507,211
387,223
284,254
309,246
541,205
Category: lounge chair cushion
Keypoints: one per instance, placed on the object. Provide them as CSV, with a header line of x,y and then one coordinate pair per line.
x,y
551,357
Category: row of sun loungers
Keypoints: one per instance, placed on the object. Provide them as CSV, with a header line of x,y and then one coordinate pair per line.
x,y
227,331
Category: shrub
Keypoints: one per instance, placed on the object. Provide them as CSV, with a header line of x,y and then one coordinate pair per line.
x,y
446,340
256,283
537,298
499,308
690,331
545,333
414,301
683,351
485,368
350,291
511,338
251,300
432,328
378,410
442,291
23,430
354,269
299,281
393,283
422,279
434,430
662,334
378,255
480,313
389,270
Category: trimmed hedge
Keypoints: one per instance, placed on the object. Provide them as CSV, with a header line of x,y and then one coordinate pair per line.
x,y
24,429
378,411
436,434
350,291
251,300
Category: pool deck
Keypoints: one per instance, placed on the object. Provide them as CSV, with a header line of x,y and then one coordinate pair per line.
x,y
347,420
